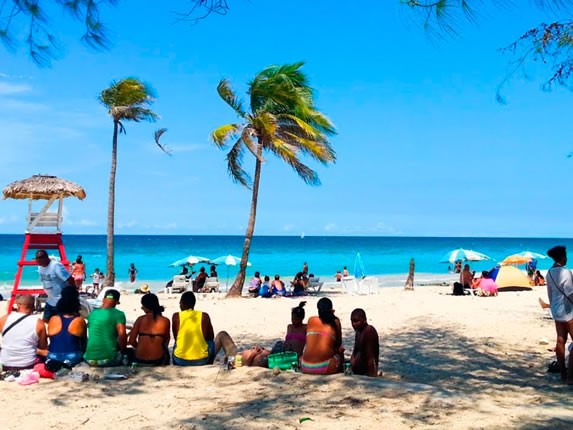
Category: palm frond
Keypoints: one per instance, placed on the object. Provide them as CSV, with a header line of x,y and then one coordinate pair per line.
x,y
221,134
247,138
321,151
289,154
227,94
129,92
157,136
234,165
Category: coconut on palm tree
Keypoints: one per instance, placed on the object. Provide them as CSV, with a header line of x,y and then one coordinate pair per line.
x,y
126,100
282,120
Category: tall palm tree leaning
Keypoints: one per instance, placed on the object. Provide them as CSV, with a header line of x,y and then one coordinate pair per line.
x,y
282,120
126,100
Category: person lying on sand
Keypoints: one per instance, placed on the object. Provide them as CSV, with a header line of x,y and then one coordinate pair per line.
x,y
365,356
323,352
294,341
195,342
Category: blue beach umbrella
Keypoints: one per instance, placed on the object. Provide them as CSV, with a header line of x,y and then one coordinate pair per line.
x,y
229,260
463,254
359,272
190,260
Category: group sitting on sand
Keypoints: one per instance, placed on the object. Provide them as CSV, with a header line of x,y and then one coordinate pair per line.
x,y
266,288
104,341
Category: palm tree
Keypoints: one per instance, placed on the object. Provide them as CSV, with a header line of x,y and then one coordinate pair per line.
x,y
283,121
126,100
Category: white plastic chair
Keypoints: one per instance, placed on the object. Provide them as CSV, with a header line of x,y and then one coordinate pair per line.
x,y
211,285
350,285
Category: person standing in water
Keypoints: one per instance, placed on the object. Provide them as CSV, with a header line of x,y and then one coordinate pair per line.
x,y
132,272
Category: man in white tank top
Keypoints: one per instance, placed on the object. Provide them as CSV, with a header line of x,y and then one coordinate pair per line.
x,y
23,334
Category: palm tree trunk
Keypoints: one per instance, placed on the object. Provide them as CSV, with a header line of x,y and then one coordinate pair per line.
x,y
236,289
410,281
110,269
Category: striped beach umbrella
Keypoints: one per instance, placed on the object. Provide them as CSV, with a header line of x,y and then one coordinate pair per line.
x,y
464,255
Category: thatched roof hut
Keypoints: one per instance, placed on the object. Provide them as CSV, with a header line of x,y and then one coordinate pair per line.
x,y
43,187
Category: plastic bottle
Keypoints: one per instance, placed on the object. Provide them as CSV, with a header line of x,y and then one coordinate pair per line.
x,y
230,362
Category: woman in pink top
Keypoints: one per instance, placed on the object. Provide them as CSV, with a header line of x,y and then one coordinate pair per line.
x,y
487,286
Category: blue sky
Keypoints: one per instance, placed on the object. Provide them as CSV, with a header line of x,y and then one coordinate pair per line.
x,y
423,147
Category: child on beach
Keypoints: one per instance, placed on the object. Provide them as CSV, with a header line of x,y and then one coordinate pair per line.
x,y
266,289
295,338
97,278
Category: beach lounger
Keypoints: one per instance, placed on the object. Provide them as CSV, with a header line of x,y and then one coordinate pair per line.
x,y
349,285
211,285
314,285
180,284
368,285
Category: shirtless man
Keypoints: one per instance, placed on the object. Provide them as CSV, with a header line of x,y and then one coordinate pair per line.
x,y
466,277
364,360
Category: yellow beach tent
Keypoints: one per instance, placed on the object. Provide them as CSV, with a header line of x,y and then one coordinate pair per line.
x,y
511,278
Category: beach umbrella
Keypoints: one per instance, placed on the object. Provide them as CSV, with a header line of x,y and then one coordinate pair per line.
x,y
531,255
359,272
523,257
190,260
229,260
516,259
463,254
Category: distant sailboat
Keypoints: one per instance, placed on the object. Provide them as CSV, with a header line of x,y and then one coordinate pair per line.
x,y
302,235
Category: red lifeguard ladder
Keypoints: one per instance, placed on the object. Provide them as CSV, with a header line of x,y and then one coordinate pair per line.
x,y
44,230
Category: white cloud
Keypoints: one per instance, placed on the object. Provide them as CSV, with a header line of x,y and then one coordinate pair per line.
x,y
330,227
288,227
7,88
129,224
192,147
382,227
169,226
87,222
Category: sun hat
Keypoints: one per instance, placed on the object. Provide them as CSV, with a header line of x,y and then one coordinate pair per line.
x,y
144,288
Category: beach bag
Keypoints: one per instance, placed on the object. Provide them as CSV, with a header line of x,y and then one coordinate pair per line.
x,y
458,289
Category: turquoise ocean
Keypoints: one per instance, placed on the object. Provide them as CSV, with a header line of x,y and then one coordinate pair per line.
x,y
385,257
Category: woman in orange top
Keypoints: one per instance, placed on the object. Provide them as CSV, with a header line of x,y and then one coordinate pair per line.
x,y
79,272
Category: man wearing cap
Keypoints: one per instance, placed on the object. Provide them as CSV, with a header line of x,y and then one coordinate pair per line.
x,y
107,338
23,336
54,277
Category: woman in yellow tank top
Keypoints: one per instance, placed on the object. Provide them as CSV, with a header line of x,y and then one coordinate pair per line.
x,y
195,342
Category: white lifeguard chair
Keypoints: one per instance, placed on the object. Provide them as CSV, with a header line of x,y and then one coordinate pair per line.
x,y
44,227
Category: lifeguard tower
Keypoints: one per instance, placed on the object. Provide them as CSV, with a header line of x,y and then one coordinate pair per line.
x,y
44,229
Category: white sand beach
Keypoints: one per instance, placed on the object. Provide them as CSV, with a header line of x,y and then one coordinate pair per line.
x,y
448,362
